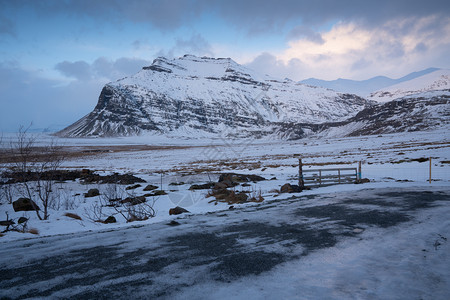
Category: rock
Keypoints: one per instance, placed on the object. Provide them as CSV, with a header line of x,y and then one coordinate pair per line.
x,y
132,187
110,219
221,185
159,193
138,200
92,193
177,210
24,204
363,180
22,220
290,188
236,178
150,187
133,200
73,216
205,186
173,223
7,223
237,198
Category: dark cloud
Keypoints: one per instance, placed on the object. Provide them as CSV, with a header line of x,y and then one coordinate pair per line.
x,y
27,98
116,69
79,69
252,16
305,33
195,45
101,68
267,63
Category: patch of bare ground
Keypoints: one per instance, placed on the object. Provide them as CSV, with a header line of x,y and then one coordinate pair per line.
x,y
73,152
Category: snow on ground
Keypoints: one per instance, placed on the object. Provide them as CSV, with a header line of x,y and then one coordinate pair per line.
x,y
283,249
404,262
388,160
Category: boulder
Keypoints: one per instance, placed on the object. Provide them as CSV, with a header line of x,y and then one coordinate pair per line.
x,y
150,187
92,193
24,204
290,188
221,185
22,220
236,178
177,210
110,219
205,186
363,180
132,187
173,223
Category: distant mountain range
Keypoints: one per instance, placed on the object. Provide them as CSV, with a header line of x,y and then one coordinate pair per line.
x,y
206,97
433,81
364,88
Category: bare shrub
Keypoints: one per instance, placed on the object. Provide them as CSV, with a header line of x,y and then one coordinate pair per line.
x,y
36,167
63,199
7,193
121,201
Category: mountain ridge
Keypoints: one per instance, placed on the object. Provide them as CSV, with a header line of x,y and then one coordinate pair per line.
x,y
364,88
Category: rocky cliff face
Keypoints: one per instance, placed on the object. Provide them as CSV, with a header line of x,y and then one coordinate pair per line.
x,y
204,97
418,112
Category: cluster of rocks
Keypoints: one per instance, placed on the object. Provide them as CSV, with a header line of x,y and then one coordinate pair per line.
x,y
85,176
221,193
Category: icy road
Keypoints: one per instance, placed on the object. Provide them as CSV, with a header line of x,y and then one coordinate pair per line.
x,y
373,243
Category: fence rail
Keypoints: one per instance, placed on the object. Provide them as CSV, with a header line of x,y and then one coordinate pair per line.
x,y
326,177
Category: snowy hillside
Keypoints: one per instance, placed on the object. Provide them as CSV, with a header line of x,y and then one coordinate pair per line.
x,y
418,112
206,96
364,88
435,81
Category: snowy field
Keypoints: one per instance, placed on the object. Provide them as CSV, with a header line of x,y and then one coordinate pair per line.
x,y
396,262
387,161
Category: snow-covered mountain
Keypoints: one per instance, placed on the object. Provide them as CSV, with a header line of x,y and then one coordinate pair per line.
x,y
418,112
435,81
364,88
205,96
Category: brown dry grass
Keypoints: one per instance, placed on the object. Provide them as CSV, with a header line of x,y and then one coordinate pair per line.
x,y
73,216
33,231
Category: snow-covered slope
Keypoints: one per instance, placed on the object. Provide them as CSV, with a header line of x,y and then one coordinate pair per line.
x,y
206,96
418,112
364,88
435,81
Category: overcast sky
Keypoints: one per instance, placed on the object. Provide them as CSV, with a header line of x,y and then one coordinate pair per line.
x,y
55,56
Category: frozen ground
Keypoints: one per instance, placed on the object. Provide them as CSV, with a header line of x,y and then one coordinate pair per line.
x,y
388,160
387,243
361,259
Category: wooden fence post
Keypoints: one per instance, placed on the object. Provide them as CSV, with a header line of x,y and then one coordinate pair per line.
x,y
430,170
301,182
359,171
